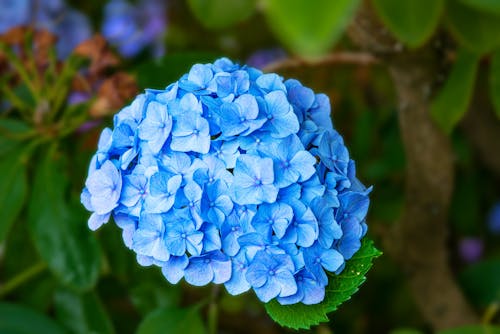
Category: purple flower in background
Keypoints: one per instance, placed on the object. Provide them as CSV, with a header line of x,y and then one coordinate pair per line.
x,y
69,25
262,58
131,28
494,219
471,249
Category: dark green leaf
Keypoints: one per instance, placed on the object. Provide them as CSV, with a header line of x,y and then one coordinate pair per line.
x,y
160,73
340,288
11,132
13,188
479,31
495,82
490,6
411,21
309,28
473,329
481,282
452,101
82,313
217,14
172,321
15,319
149,296
59,230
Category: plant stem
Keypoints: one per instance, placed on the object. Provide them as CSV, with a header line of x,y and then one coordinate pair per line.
x,y
22,278
213,311
490,313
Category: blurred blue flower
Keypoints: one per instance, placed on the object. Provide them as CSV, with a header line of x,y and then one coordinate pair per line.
x,y
70,26
494,219
232,176
262,58
14,13
132,28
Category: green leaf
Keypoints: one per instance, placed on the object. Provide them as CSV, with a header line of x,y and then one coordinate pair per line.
x,y
411,21
160,73
473,329
15,319
82,313
340,288
218,14
491,6
149,296
478,31
309,28
172,321
495,82
481,282
452,101
11,132
13,188
59,230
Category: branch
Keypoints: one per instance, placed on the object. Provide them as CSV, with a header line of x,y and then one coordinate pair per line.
x,y
418,241
482,128
341,57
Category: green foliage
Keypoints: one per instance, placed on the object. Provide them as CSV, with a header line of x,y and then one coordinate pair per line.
x,y
82,313
411,21
309,28
148,296
218,14
495,82
159,73
405,331
473,329
488,290
492,6
11,133
340,288
172,321
13,188
452,101
479,31
59,230
15,319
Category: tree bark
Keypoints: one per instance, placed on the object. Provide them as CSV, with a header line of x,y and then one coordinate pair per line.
x,y
418,241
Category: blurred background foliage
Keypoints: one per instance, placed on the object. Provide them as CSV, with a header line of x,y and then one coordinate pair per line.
x,y
67,67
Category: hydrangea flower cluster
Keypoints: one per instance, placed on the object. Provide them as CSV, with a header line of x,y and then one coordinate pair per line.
x,y
234,177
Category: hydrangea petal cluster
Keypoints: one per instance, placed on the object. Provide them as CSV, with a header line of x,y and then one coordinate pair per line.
x,y
234,177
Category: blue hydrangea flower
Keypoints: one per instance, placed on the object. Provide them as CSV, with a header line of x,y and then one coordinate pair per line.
x,y
271,276
253,181
235,177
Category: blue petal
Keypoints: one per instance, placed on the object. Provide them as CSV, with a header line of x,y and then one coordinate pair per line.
x,y
198,272
268,291
173,269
